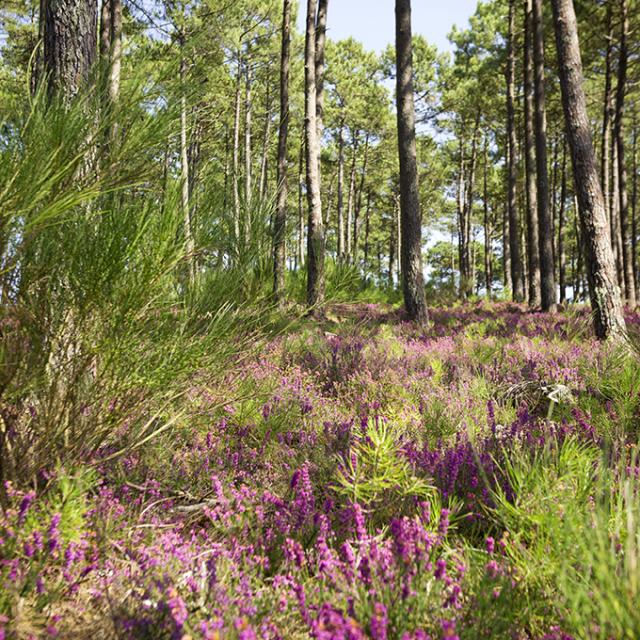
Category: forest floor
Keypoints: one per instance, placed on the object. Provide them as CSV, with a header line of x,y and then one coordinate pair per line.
x,y
360,479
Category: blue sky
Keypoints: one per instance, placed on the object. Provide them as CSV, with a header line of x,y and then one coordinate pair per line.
x,y
372,21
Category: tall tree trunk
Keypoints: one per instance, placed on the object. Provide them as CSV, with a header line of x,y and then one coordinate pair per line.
x,y
514,232
184,167
607,116
533,240
634,200
105,33
340,194
358,201
506,251
461,207
70,45
264,162
280,220
604,292
561,252
367,225
115,62
545,225
467,267
350,202
315,234
614,218
301,184
235,166
248,107
393,241
411,219
398,227
627,255
488,231
321,38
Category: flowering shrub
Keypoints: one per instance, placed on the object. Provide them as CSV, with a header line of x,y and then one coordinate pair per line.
x,y
363,485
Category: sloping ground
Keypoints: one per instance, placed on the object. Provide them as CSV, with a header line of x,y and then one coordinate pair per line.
x,y
367,479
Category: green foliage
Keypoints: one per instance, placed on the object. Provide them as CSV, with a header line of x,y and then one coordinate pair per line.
x,y
574,533
375,474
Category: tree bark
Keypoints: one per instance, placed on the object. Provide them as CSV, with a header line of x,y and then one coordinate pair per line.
x,y
115,57
533,240
627,256
235,164
70,45
280,220
514,232
393,241
604,293
358,201
562,258
411,218
340,247
315,234
301,184
350,203
634,200
264,162
607,116
184,168
248,107
488,231
321,38
467,266
545,226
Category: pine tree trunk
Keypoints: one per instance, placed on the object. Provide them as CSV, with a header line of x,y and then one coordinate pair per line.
x,y
514,232
506,251
488,275
321,38
315,234
461,207
358,204
105,34
545,226
603,289
280,220
393,241
350,202
264,162
627,256
70,45
367,225
614,218
248,108
607,116
467,279
235,166
562,258
634,201
340,194
533,241
411,219
115,61
301,224
184,168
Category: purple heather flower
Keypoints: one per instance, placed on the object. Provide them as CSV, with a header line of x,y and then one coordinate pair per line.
x,y
25,504
491,545
379,622
53,533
